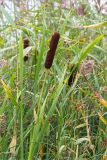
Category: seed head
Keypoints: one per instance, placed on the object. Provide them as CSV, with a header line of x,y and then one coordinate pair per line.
x,y
87,67
51,52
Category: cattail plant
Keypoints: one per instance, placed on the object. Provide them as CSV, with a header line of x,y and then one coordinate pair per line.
x,y
48,63
25,45
73,75
51,52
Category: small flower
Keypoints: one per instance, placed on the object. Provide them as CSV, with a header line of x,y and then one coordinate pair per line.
x,y
73,75
51,52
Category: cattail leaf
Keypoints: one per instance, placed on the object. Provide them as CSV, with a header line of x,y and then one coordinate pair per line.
x,y
39,61
90,46
85,51
21,65
21,86
98,25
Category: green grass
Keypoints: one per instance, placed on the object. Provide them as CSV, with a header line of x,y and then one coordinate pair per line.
x,y
44,117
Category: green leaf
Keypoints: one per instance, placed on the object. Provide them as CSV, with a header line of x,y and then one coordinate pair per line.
x,y
85,51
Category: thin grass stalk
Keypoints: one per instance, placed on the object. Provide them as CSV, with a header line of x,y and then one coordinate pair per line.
x,y
21,74
42,91
39,61
16,107
37,67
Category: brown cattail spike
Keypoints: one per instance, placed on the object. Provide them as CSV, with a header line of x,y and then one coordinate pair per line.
x,y
73,75
25,43
51,52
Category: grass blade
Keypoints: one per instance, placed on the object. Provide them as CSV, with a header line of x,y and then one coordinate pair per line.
x,y
21,72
